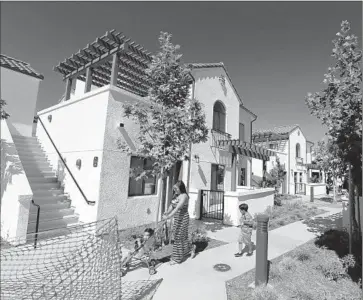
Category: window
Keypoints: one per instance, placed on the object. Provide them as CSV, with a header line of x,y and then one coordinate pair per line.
x,y
241,132
242,178
297,150
219,117
145,186
217,182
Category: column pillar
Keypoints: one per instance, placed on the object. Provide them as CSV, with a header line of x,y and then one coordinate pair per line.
x,y
88,84
249,172
114,70
68,88
234,171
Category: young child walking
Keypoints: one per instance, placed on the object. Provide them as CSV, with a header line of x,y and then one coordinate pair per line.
x,y
246,223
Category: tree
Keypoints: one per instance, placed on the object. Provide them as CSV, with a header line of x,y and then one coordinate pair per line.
x,y
328,159
339,107
4,114
277,173
169,120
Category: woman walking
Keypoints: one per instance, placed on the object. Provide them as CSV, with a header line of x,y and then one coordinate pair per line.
x,y
179,211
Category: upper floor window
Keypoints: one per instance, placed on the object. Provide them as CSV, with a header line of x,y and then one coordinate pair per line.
x,y
298,154
272,146
219,117
141,187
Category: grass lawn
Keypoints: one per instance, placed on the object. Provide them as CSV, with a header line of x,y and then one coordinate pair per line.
x,y
290,212
306,273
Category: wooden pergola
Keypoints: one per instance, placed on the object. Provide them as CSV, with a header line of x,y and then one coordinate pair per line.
x,y
111,59
264,137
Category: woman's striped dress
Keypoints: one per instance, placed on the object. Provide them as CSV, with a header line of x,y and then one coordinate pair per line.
x,y
181,246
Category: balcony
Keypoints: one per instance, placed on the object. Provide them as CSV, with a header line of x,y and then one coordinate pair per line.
x,y
219,136
299,161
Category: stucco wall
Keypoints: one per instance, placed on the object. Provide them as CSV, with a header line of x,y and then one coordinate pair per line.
x,y
319,189
208,90
16,193
294,139
131,211
20,91
257,200
77,129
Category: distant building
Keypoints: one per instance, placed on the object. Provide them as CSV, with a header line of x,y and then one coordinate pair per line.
x,y
295,154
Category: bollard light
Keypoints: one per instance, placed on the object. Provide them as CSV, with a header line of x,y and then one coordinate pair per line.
x,y
311,194
261,250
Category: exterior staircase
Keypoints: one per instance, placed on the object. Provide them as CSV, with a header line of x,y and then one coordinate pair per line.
x,y
56,211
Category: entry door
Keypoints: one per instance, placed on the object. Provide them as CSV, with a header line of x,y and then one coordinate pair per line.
x,y
217,180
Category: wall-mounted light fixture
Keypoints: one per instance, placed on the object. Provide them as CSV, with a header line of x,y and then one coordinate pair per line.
x,y
78,164
95,161
50,118
196,157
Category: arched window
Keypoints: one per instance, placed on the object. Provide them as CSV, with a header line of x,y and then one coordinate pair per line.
x,y
219,117
297,150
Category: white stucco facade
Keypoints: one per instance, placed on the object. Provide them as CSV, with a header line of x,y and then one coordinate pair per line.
x,y
20,91
87,126
295,161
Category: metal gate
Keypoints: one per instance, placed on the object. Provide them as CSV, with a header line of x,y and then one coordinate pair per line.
x,y
300,188
212,204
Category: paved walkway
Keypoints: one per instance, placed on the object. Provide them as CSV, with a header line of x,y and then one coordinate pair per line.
x,y
196,279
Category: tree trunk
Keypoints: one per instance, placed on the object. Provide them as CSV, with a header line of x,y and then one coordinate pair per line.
x,y
161,192
334,191
358,210
353,226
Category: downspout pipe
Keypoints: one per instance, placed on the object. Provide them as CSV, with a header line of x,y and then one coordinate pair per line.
x,y
255,118
190,145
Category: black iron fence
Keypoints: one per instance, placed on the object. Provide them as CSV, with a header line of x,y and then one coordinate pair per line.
x,y
212,204
300,188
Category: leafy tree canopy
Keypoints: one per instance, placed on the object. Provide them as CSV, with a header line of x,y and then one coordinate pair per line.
x,y
170,120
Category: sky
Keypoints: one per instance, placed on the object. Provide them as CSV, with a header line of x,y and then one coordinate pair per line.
x,y
275,52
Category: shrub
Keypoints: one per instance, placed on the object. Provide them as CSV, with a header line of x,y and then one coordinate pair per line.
x,y
288,264
332,267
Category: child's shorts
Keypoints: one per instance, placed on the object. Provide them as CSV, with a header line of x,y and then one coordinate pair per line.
x,y
245,237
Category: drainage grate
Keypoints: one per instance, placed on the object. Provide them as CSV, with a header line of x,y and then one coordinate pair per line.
x,y
221,267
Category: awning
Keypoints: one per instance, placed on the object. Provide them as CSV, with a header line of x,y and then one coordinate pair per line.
x,y
312,166
247,149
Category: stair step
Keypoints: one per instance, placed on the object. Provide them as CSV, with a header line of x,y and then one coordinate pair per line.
x,y
30,152
44,185
39,173
35,162
48,234
23,146
32,169
53,199
48,192
42,179
53,223
24,138
50,215
50,206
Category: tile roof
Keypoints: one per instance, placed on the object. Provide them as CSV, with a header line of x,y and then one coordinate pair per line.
x,y
18,66
206,65
277,130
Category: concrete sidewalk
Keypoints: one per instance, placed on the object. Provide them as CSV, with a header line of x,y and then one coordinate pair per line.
x,y
197,279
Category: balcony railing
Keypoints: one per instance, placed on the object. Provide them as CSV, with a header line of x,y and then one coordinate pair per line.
x,y
219,136
299,160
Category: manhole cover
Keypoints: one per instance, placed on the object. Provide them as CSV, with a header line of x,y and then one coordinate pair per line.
x,y
222,267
